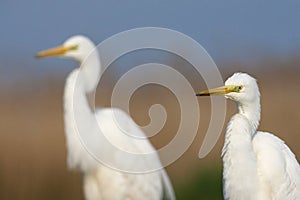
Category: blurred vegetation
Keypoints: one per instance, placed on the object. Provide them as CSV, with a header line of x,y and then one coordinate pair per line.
x,y
204,184
32,142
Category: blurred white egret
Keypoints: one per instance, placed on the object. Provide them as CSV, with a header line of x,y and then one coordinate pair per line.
x,y
257,165
101,182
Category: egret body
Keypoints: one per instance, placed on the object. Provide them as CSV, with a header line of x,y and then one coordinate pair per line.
x,y
101,182
256,165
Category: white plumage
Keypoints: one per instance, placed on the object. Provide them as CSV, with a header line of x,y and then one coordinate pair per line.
x,y
101,182
257,165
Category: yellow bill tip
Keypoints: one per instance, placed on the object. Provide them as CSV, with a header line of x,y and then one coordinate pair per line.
x,y
203,93
38,55
56,51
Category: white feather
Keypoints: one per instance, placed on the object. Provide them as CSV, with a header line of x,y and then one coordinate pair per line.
x,y
101,182
257,165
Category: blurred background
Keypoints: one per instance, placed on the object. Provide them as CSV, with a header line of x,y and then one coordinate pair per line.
x,y
261,38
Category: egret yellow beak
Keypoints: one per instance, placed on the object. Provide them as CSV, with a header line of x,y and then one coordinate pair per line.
x,y
217,91
56,51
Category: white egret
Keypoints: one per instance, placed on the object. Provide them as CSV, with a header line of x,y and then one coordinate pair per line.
x,y
257,165
101,182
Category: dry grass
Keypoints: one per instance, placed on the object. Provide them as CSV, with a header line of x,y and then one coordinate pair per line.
x,y
32,144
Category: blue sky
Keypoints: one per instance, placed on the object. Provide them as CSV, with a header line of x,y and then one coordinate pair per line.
x,y
228,30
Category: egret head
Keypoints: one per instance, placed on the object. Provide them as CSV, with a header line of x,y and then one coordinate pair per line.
x,y
240,87
77,47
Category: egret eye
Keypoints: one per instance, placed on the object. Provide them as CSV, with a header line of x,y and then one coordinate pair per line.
x,y
74,47
237,88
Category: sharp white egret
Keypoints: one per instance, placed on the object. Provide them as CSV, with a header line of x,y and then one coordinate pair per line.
x,y
256,165
101,182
